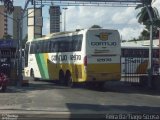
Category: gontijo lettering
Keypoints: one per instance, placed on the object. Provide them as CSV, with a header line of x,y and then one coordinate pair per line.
x,y
103,43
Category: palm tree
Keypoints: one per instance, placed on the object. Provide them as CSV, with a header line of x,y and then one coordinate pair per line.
x,y
8,5
143,16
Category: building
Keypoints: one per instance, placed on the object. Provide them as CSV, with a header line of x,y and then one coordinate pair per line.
x,y
35,23
8,26
55,14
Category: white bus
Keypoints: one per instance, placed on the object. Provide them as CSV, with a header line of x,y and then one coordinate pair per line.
x,y
89,55
134,57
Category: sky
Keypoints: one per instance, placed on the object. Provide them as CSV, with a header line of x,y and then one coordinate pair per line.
x,y
121,18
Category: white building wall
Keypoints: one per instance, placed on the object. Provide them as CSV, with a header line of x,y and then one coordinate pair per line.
x,y
34,29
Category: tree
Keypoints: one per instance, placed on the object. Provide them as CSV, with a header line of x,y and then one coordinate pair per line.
x,y
8,5
143,18
7,36
96,26
145,34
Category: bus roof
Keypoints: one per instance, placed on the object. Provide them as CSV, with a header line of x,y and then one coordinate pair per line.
x,y
137,44
59,34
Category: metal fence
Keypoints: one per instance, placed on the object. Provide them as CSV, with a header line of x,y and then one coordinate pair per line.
x,y
135,65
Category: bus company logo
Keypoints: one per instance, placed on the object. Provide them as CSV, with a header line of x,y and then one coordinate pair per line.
x,y
103,36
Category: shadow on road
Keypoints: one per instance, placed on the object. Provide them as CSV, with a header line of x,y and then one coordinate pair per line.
x,y
110,86
123,87
111,108
101,111
35,85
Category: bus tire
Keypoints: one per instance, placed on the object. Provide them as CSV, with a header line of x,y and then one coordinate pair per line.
x,y
61,78
69,80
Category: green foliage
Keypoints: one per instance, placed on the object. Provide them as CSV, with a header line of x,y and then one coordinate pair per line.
x,y
156,22
145,35
148,2
7,36
143,18
96,26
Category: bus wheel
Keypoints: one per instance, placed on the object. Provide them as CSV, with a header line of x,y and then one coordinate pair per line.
x,y
61,78
69,81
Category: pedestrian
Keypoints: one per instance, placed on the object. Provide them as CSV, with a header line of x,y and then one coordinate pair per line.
x,y
3,80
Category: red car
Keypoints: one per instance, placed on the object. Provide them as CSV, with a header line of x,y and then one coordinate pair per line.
x,y
3,82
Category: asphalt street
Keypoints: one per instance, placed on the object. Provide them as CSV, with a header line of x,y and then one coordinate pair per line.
x,y
50,99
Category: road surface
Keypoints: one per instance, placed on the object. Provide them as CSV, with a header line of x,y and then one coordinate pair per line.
x,y
50,100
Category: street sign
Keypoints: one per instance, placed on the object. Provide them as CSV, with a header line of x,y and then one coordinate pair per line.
x,y
7,43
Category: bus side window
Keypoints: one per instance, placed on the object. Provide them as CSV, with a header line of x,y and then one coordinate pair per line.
x,y
45,46
32,50
74,43
55,46
77,42
63,45
40,47
70,48
49,46
52,49
36,45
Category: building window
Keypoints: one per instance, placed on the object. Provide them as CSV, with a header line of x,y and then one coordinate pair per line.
x,y
5,29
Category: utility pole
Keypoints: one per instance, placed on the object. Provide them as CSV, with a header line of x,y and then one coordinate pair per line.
x,y
150,64
159,52
20,28
20,76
